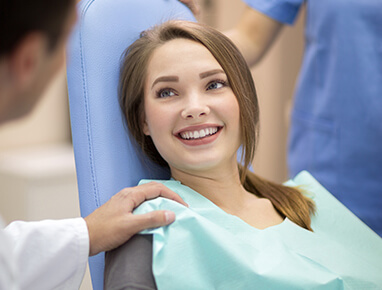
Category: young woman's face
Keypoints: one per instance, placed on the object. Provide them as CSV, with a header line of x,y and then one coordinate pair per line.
x,y
190,110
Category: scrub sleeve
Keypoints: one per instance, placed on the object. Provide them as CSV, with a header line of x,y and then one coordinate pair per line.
x,y
336,126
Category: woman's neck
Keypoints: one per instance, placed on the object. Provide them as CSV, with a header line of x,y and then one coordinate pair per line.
x,y
223,188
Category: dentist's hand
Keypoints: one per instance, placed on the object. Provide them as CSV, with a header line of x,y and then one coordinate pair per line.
x,y
113,223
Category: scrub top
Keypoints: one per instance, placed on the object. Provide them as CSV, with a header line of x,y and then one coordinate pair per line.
x,y
336,126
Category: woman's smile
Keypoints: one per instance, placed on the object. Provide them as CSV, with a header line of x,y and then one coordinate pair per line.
x,y
198,135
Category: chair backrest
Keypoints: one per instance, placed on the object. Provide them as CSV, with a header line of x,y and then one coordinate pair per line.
x,y
106,160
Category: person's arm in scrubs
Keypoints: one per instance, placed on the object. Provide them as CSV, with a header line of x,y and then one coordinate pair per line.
x,y
53,254
253,34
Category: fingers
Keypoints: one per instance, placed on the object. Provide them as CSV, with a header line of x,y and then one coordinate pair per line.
x,y
137,195
113,223
150,220
158,189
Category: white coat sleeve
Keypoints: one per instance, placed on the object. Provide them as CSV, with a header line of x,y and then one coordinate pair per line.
x,y
7,263
50,254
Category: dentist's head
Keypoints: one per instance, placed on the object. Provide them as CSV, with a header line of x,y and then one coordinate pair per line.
x,y
33,37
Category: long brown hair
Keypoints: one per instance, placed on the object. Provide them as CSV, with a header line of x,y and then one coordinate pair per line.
x,y
288,201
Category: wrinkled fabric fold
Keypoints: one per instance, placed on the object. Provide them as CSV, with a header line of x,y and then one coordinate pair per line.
x,y
206,248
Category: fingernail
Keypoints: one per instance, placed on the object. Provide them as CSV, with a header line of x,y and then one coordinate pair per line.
x,y
169,216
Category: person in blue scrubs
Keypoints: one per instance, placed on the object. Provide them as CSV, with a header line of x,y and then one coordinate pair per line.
x,y
336,126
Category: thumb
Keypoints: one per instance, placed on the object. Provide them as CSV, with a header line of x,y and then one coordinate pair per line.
x,y
152,219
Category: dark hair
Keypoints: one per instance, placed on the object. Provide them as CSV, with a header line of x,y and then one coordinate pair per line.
x,y
20,17
288,201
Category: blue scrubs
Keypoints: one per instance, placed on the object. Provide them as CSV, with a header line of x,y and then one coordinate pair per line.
x,y
336,131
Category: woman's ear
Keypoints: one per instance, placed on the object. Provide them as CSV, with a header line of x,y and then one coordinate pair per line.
x,y
145,128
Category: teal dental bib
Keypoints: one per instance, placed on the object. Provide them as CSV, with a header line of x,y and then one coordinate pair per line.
x,y
206,248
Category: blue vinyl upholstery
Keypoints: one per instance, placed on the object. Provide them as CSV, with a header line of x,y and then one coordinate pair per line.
x,y
106,160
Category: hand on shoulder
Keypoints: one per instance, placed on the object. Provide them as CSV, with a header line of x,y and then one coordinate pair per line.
x,y
113,223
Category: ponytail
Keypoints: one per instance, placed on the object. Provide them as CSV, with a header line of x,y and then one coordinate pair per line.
x,y
288,201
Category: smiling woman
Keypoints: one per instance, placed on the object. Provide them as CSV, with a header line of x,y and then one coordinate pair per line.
x,y
191,115
190,103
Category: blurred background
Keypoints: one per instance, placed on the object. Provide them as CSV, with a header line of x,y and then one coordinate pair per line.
x,y
37,171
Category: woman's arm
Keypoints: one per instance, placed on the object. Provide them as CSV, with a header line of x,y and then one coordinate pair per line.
x,y
129,267
254,34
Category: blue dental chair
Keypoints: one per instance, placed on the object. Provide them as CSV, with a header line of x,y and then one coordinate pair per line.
x,y
106,160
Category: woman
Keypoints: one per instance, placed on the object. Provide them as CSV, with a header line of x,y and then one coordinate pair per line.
x,y
190,103
337,111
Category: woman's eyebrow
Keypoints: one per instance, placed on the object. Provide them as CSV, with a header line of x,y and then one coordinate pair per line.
x,y
165,79
210,73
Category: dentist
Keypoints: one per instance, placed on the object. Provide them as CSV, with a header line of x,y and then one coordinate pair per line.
x,y
53,254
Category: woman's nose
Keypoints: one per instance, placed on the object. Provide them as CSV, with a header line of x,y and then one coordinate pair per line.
x,y
195,108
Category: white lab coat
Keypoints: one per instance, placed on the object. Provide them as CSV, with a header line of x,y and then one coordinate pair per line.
x,y
50,254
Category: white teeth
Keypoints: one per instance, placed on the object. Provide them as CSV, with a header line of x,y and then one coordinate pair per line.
x,y
198,134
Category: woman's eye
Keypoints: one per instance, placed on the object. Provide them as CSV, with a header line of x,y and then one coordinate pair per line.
x,y
216,85
165,93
